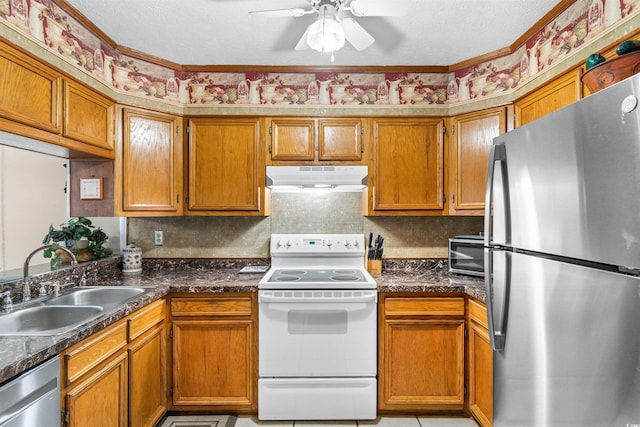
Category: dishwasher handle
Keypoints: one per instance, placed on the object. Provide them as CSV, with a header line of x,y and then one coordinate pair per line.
x,y
313,297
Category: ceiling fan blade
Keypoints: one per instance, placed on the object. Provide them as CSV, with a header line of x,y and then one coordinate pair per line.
x,y
356,35
296,11
302,43
378,8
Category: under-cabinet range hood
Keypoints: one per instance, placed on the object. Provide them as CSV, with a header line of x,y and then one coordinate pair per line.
x,y
333,178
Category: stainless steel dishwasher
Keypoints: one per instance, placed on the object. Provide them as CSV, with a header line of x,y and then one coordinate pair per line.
x,y
32,398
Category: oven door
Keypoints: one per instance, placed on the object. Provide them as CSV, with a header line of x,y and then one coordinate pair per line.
x,y
318,333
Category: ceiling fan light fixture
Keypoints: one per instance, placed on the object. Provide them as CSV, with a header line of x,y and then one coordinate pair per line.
x,y
326,34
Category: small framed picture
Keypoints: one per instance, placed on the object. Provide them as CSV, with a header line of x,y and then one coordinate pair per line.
x,y
91,189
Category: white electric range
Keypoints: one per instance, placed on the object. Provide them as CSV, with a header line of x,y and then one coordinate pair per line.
x,y
317,330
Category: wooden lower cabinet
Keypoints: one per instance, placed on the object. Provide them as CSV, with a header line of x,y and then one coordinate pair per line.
x,y
421,356
147,383
480,365
101,399
215,352
116,377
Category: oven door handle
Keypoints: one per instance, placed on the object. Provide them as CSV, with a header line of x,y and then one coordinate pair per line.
x,y
311,299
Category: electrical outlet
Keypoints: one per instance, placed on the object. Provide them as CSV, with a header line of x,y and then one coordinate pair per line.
x,y
158,237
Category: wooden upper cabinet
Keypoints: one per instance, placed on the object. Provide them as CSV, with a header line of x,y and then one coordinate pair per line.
x,y
559,93
226,167
340,139
292,139
88,117
315,140
149,168
407,167
29,91
471,139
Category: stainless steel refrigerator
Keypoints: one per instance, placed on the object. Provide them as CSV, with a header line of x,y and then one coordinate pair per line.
x,y
562,259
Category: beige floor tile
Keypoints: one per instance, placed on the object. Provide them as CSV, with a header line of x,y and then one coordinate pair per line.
x,y
251,421
447,422
392,422
325,423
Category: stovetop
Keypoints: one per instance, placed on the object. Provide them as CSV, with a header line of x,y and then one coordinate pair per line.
x,y
319,275
317,261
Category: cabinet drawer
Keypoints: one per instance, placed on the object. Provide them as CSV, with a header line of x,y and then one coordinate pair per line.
x,y
87,354
478,313
424,306
144,319
239,306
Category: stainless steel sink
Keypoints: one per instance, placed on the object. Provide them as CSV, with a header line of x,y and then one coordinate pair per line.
x,y
93,295
47,320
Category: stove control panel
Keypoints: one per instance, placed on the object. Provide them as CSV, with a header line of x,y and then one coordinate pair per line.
x,y
317,244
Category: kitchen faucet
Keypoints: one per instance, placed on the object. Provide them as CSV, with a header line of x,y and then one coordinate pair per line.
x,y
26,290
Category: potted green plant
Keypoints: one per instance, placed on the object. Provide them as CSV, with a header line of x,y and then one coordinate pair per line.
x,y
80,236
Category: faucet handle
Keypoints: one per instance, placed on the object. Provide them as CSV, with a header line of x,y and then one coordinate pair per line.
x,y
42,290
7,304
55,284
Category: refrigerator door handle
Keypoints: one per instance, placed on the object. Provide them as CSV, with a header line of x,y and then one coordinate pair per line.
x,y
497,157
497,281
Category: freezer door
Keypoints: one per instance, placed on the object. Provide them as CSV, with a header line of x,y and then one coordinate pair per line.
x,y
571,348
573,179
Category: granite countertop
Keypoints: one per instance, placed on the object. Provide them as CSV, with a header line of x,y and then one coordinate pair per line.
x,y
427,276
19,353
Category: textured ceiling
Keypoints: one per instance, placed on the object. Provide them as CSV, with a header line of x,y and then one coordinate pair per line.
x,y
222,32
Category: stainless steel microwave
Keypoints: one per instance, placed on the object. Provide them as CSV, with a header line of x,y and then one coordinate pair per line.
x,y
466,255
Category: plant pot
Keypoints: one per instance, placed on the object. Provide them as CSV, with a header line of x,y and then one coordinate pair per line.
x,y
83,255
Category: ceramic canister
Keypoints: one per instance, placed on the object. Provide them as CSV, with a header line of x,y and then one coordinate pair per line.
x,y
131,259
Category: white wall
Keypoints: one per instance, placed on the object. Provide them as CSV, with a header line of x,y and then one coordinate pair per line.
x,y
32,197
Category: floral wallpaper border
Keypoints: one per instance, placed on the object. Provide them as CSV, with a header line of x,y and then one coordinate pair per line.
x,y
52,27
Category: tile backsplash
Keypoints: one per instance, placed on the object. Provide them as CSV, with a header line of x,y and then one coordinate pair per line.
x,y
304,212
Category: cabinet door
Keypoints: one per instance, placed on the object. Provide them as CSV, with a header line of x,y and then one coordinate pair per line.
x,y
480,375
147,384
408,163
101,399
340,139
292,139
29,92
561,92
150,172
472,137
422,364
213,363
87,116
226,166
480,365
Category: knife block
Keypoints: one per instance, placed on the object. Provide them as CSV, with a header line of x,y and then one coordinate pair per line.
x,y
374,266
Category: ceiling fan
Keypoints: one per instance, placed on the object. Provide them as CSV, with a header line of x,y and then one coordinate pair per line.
x,y
329,31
